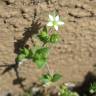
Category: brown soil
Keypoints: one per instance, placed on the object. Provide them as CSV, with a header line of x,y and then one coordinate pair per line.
x,y
73,57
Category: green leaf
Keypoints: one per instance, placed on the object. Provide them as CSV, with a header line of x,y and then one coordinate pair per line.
x,y
20,57
54,38
40,62
42,52
56,77
30,53
40,57
45,78
26,52
45,29
44,37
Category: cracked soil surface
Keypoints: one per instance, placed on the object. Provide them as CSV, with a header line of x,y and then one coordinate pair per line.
x,y
73,57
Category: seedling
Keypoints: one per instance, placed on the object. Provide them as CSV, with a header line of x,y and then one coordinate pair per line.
x,y
39,54
64,91
48,79
92,89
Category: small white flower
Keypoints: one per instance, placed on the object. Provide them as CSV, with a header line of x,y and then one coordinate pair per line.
x,y
54,21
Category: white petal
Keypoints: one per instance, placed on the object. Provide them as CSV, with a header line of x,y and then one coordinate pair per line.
x,y
51,17
60,23
50,24
56,27
57,18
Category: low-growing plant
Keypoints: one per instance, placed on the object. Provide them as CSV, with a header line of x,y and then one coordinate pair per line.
x,y
48,79
64,91
39,54
92,88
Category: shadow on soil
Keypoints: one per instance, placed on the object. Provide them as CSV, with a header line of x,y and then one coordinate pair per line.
x,y
27,34
36,2
83,89
18,79
21,44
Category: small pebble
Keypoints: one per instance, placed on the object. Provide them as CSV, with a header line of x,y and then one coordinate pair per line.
x,y
70,85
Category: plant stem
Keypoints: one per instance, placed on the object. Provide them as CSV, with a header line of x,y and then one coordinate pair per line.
x,y
49,70
44,44
50,30
47,65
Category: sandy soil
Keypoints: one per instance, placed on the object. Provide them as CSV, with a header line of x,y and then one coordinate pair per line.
x,y
73,57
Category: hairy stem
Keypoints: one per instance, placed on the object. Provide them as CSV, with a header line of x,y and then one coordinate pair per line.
x,y
49,69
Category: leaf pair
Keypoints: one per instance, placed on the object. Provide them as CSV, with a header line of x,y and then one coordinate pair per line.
x,y
48,78
40,57
46,38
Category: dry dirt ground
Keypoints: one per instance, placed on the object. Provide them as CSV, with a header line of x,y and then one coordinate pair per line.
x,y
73,57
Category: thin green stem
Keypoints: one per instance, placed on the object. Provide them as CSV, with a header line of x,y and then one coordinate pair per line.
x,y
50,71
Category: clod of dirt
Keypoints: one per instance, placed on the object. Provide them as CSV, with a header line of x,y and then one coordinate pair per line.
x,y
8,2
37,90
24,10
70,85
53,91
6,93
